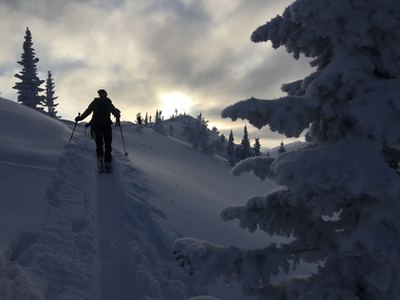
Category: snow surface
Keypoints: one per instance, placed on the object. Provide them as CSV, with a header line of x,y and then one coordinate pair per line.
x,y
67,232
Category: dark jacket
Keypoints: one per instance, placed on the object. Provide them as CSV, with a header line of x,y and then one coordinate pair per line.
x,y
101,108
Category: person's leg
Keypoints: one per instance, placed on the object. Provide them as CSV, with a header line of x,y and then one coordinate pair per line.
x,y
98,138
107,134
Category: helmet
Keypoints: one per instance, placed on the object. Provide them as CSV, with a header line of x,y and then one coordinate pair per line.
x,y
102,92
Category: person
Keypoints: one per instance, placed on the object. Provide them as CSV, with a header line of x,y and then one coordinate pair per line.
x,y
100,123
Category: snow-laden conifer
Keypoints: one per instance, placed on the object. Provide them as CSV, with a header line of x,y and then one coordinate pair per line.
x,y
339,200
197,133
29,86
281,148
49,99
230,150
257,147
158,122
246,148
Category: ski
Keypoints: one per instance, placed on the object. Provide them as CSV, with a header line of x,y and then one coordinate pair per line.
x,y
100,163
107,168
102,166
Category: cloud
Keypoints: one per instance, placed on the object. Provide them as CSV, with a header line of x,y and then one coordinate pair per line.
x,y
142,50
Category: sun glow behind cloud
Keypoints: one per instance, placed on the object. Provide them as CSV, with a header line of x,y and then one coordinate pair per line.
x,y
175,102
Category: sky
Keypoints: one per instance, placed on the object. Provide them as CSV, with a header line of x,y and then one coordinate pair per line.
x,y
186,55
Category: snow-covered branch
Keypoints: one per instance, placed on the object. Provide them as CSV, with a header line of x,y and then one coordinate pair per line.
x,y
349,166
259,165
288,30
253,268
287,115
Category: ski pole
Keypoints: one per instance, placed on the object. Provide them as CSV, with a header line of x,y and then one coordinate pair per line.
x,y
73,130
123,140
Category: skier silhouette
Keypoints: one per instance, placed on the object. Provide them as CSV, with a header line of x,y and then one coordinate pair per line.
x,y
100,124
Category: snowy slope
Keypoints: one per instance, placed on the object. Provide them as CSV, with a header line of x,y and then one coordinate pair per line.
x,y
30,147
69,232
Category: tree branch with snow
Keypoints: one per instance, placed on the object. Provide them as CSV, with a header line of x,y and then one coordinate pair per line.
x,y
289,115
253,268
260,166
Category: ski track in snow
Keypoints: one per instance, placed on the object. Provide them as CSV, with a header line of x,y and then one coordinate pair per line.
x,y
132,258
120,257
79,250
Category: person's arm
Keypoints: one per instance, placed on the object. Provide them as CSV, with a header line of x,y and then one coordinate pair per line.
x,y
87,112
117,114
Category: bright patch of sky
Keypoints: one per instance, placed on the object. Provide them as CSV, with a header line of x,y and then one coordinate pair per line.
x,y
175,103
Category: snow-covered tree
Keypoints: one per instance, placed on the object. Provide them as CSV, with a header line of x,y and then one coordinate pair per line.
x,y
158,125
238,153
246,148
29,87
257,147
223,138
215,130
49,99
230,150
197,133
158,116
339,200
281,148
139,119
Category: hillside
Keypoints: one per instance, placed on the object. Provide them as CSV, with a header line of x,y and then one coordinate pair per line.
x,y
69,232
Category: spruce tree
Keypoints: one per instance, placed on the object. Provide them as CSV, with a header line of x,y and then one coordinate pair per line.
x,y
281,148
214,130
223,138
230,150
49,100
257,147
197,133
29,87
238,153
246,148
139,119
158,125
339,195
